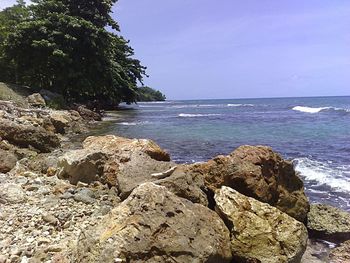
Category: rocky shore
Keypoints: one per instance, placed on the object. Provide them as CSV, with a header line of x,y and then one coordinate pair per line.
x,y
113,199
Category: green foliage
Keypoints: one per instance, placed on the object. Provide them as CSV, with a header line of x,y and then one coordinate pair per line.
x,y
64,46
149,94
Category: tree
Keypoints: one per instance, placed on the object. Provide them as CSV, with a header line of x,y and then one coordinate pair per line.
x,y
65,47
148,94
9,18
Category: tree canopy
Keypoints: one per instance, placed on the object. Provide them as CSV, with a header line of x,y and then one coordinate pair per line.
x,y
148,94
71,47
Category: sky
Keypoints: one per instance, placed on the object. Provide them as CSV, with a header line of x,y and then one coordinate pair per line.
x,y
203,49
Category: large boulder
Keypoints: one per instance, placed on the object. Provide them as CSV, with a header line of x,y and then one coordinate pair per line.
x,y
260,232
340,254
154,225
7,161
185,186
114,144
258,172
327,222
116,161
24,135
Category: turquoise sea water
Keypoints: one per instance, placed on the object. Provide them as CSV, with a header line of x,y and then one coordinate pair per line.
x,y
313,132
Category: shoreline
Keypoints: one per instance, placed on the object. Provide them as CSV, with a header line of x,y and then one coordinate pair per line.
x,y
44,214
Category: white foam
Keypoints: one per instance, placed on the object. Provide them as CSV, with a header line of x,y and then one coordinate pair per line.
x,y
322,173
240,105
310,109
186,115
133,123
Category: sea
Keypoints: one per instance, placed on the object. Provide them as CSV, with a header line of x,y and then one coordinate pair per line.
x,y
312,132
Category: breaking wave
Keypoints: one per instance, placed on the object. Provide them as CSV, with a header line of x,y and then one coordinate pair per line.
x,y
319,109
186,115
322,173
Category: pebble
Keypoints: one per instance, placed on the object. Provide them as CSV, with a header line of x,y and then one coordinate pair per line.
x,y
45,220
3,259
52,220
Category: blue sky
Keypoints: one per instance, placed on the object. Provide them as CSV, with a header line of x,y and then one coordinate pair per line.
x,y
235,49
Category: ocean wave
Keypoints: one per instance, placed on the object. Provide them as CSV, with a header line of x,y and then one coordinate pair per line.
x,y
187,115
323,173
197,106
310,109
319,109
133,123
240,105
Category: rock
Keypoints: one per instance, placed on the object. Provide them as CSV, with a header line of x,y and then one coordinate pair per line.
x,y
3,259
81,165
260,232
316,252
154,225
28,135
183,185
50,219
340,254
11,194
116,161
60,120
36,100
258,172
7,161
114,144
138,170
85,195
87,114
329,223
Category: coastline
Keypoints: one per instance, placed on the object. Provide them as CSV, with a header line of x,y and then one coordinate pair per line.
x,y
50,199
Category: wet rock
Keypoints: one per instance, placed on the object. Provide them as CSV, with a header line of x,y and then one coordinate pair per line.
x,y
341,254
28,135
258,172
87,114
36,100
329,223
154,225
316,252
7,161
260,232
11,194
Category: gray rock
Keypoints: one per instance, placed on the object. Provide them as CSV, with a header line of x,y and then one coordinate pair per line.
x,y
7,161
329,223
11,194
154,225
51,219
260,232
184,185
85,195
